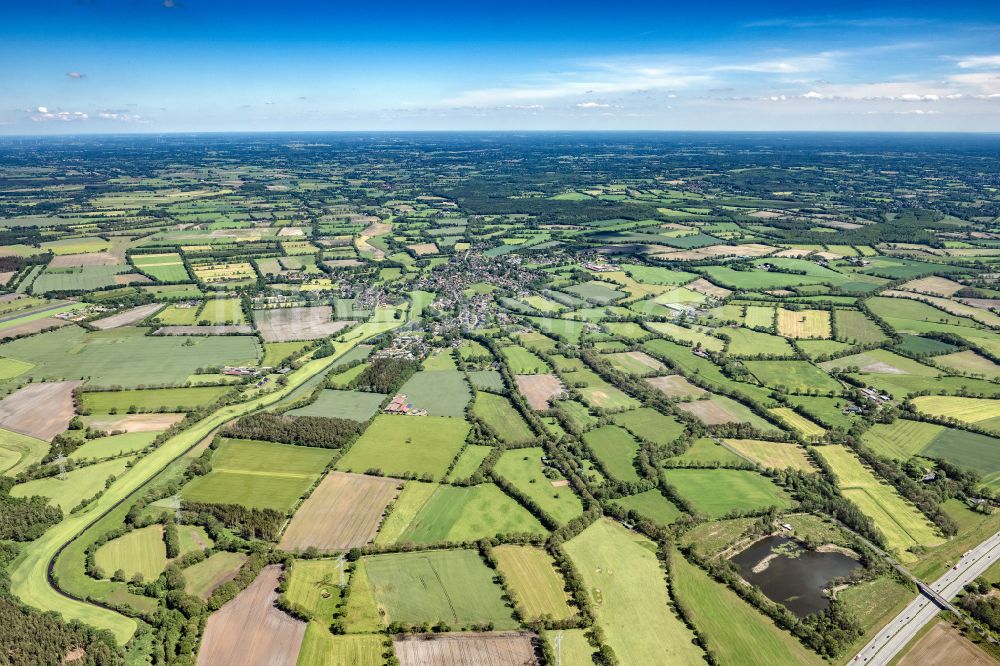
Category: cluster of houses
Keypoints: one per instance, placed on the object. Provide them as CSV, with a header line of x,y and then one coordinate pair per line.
x,y
398,405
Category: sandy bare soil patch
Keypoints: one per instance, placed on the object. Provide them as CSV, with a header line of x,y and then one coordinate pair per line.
x,y
133,422
343,512
285,324
40,410
423,248
708,412
793,253
250,631
33,326
458,649
933,285
221,329
127,318
539,389
291,231
675,386
944,646
6,276
882,368
703,286
132,278
751,250
89,259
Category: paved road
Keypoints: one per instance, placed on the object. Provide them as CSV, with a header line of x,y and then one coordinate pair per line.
x,y
894,636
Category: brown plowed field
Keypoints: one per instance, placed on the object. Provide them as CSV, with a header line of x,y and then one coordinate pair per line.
x,y
539,389
40,410
250,631
88,259
126,318
33,326
286,324
343,512
486,649
674,386
703,286
708,412
944,646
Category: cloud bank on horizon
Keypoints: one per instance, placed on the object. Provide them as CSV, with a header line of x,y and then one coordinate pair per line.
x,y
198,65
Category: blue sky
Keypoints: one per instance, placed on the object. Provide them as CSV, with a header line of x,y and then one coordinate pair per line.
x,y
77,66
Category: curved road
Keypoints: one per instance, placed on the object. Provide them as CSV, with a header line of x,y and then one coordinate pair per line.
x,y
894,636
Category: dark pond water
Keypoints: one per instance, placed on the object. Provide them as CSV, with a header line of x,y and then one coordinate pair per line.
x,y
796,577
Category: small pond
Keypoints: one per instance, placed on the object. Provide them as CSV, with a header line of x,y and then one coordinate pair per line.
x,y
793,576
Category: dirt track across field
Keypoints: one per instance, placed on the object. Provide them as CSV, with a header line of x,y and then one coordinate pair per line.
x,y
343,512
250,631
40,410
480,649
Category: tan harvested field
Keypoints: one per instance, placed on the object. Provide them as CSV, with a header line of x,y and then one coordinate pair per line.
x,y
287,324
89,259
675,386
421,249
804,323
6,276
291,231
221,329
776,455
343,512
40,410
127,318
250,631
132,278
703,286
793,253
466,649
712,251
343,263
133,422
539,389
943,645
30,327
708,412
933,285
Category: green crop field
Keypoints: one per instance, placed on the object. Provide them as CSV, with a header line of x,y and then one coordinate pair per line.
x,y
524,362
139,552
499,414
450,585
697,336
105,447
706,450
615,449
469,461
315,586
649,424
900,439
534,584
744,342
321,648
178,315
801,424
222,311
441,393
453,513
151,400
258,474
735,631
627,588
78,484
828,410
274,352
776,455
899,521
977,411
651,505
201,578
656,275
792,375
354,405
18,451
854,327
717,492
166,267
400,444
524,469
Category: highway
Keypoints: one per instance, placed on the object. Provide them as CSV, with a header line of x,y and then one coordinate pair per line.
x,y
904,627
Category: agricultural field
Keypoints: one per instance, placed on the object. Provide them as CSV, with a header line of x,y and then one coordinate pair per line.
x,y
717,492
440,392
202,578
151,400
533,581
165,267
774,455
811,324
499,414
615,449
524,362
138,553
976,411
400,445
525,468
333,403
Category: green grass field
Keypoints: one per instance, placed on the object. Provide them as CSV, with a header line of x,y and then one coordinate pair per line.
x,y
706,450
176,315
735,631
105,447
315,585
776,455
78,485
500,415
166,267
524,362
222,311
429,586
977,411
470,460
201,578
258,474
692,335
827,410
151,400
802,425
140,552
792,375
534,584
441,393
900,439
647,423
628,590
453,513
651,505
616,449
354,405
400,444
717,492
126,356
744,342
18,451
274,352
523,468
899,521
321,648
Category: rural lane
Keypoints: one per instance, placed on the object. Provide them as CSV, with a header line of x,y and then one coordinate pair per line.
x,y
894,636
29,573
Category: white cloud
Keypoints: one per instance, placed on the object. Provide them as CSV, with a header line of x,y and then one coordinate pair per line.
x,y
812,94
43,115
76,75
975,62
592,105
120,116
